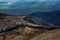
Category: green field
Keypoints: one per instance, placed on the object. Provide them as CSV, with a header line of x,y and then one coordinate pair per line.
x,y
4,7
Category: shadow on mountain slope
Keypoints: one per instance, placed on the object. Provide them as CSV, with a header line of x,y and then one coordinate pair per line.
x,y
51,17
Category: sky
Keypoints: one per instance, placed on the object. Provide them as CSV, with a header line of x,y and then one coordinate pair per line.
x,y
9,1
47,1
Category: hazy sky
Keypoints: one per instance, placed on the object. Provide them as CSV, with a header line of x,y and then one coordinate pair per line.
x,y
2,0
10,0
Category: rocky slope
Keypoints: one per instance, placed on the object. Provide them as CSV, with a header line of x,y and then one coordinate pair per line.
x,y
24,32
51,35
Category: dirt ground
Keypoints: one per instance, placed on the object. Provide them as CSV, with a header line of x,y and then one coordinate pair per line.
x,y
27,33
32,34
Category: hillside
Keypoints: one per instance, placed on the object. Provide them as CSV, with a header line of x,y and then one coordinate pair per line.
x,y
51,35
50,17
23,32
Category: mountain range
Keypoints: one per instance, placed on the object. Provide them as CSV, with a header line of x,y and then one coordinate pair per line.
x,y
50,17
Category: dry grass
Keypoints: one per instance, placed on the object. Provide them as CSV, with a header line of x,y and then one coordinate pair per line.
x,y
27,33
51,35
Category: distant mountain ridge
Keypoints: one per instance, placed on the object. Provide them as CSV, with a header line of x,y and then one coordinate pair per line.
x,y
3,14
51,17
